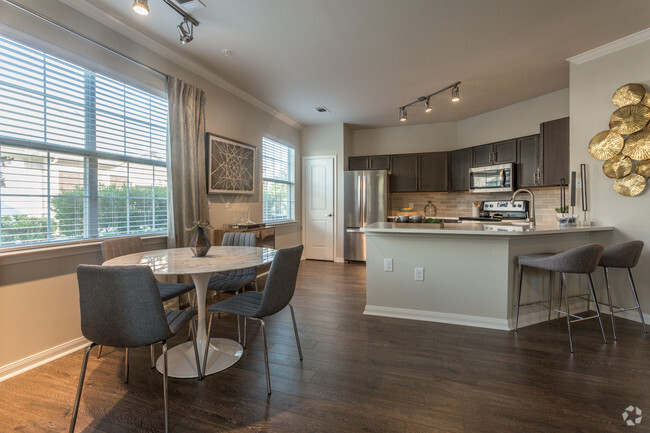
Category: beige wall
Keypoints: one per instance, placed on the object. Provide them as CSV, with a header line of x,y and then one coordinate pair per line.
x,y
327,140
592,85
38,296
404,139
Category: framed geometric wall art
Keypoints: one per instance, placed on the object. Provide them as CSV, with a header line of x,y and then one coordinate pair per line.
x,y
230,165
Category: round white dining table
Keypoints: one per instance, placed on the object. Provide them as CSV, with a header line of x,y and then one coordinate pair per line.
x,y
222,352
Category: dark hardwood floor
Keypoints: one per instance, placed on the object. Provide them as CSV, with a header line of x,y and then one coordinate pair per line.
x,y
359,374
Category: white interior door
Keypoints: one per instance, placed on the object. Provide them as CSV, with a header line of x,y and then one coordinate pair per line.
x,y
318,199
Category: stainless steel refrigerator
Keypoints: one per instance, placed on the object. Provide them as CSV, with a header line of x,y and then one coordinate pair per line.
x,y
366,202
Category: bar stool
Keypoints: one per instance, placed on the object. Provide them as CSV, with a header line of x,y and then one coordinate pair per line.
x,y
581,260
625,255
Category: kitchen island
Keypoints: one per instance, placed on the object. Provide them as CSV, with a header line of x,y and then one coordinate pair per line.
x,y
469,270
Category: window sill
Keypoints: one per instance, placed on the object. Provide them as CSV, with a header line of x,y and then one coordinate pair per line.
x,y
47,252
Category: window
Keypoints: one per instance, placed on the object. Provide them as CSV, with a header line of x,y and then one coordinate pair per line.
x,y
278,182
82,155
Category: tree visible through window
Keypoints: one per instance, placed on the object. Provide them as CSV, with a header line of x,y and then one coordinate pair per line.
x,y
82,155
278,181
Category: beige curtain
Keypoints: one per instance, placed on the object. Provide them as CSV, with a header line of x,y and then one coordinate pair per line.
x,y
186,155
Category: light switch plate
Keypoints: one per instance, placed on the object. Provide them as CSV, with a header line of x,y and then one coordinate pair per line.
x,y
419,274
388,265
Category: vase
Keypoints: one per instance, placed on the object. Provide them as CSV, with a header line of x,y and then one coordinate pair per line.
x,y
200,243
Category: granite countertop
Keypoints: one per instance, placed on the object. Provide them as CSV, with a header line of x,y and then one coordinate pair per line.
x,y
485,228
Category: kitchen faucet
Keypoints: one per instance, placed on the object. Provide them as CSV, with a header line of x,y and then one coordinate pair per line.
x,y
531,215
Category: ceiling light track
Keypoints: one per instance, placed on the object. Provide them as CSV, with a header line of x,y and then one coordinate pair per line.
x,y
185,28
186,16
455,97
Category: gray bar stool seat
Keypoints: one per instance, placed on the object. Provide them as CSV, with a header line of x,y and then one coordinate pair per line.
x,y
625,256
581,260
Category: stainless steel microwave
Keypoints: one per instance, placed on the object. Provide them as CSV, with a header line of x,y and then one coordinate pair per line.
x,y
493,178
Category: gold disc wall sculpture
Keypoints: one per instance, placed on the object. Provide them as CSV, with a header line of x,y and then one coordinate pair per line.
x,y
625,146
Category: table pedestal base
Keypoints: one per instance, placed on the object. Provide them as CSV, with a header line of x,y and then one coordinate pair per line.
x,y
182,364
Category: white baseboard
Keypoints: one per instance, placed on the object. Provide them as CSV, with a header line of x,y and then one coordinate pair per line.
x,y
33,361
432,316
339,260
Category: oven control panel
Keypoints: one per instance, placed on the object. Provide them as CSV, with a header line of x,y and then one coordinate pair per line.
x,y
505,206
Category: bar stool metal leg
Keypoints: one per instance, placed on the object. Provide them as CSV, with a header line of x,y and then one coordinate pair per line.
x,y
609,299
550,294
568,311
521,275
593,295
636,298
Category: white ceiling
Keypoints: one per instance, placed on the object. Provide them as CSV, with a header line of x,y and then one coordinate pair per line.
x,y
363,59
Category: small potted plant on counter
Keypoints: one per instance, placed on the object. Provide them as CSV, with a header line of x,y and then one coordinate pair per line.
x,y
437,221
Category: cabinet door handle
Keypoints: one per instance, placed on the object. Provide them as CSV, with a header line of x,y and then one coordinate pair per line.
x,y
494,157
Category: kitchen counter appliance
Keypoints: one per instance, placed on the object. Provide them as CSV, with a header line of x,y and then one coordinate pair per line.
x,y
365,202
493,178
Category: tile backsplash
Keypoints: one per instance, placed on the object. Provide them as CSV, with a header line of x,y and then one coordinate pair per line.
x,y
453,204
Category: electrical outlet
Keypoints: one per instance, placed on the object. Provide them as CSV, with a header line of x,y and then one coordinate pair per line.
x,y
419,274
578,183
388,265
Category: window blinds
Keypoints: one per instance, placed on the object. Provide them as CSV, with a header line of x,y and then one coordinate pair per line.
x,y
278,181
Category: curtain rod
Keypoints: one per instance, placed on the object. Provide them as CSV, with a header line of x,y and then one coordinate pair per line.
x,y
82,36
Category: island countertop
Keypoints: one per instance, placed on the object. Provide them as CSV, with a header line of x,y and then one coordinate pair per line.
x,y
483,229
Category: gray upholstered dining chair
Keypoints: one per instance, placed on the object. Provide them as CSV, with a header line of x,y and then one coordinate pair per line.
x,y
279,289
117,247
626,256
121,307
233,281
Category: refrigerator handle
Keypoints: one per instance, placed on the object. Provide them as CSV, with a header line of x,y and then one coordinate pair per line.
x,y
365,201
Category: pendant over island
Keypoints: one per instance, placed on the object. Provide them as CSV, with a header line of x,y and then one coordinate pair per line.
x,y
464,274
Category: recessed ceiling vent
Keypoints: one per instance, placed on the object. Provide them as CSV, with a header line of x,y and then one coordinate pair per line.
x,y
190,5
322,109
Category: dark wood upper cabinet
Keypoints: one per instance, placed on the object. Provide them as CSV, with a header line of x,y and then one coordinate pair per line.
x,y
404,173
501,152
433,169
555,151
460,162
379,162
358,163
528,167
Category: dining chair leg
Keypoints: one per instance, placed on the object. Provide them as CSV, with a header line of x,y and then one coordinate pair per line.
x,y
550,294
521,276
219,300
77,399
126,365
559,300
266,358
164,345
152,355
207,344
568,311
239,329
593,295
295,331
636,298
196,349
609,299
245,332
99,352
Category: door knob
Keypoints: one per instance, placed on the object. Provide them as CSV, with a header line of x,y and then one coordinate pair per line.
x,y
329,214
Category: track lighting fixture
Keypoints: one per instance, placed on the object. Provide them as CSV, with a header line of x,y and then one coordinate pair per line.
x,y
455,97
427,100
427,106
186,29
141,7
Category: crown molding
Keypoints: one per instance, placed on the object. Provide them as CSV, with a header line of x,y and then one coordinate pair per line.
x,y
612,47
108,20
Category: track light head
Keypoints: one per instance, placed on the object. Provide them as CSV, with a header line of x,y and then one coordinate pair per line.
x,y
427,106
402,114
141,7
455,94
186,30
